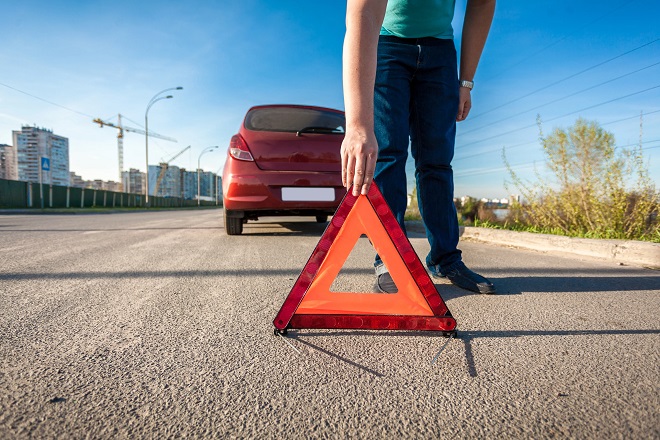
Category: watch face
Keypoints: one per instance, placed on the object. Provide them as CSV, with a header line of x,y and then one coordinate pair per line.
x,y
467,84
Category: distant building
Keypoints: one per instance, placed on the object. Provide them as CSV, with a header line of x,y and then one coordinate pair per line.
x,y
32,144
207,185
133,181
76,181
111,185
164,180
8,162
188,184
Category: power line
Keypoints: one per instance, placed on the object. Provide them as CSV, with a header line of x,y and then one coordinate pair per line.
x,y
529,164
47,101
631,117
561,99
566,78
625,3
495,150
481,153
562,116
494,170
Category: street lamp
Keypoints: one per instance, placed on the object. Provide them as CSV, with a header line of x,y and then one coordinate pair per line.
x,y
217,184
153,100
205,150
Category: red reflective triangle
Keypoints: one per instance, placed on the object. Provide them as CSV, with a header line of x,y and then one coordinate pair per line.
x,y
416,306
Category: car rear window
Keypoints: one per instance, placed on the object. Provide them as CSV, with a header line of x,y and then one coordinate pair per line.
x,y
291,119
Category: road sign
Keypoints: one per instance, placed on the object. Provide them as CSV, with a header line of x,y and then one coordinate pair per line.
x,y
416,306
45,164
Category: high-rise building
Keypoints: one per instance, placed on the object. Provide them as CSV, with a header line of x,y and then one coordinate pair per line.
x,y
133,181
164,180
32,144
207,185
8,162
188,184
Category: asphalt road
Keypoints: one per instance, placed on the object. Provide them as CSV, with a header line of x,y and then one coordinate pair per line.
x,y
159,325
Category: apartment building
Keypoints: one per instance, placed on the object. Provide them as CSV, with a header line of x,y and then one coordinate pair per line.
x,y
133,181
164,180
32,144
8,162
188,184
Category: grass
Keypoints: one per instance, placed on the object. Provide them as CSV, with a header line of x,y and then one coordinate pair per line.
x,y
412,214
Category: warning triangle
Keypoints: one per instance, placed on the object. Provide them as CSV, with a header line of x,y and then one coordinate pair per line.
x,y
416,306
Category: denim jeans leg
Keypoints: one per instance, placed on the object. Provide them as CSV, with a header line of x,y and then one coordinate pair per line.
x,y
396,66
434,104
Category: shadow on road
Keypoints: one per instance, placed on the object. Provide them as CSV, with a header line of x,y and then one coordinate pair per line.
x,y
112,229
555,284
341,358
9,276
466,337
506,286
305,229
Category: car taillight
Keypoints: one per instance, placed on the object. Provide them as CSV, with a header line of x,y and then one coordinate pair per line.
x,y
238,149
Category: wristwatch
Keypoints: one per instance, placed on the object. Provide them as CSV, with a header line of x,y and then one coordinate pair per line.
x,y
466,84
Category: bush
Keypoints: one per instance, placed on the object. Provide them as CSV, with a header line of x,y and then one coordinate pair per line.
x,y
598,190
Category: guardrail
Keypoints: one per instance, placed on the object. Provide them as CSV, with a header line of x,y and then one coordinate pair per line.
x,y
18,194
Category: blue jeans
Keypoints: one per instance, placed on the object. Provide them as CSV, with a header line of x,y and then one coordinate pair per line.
x,y
415,103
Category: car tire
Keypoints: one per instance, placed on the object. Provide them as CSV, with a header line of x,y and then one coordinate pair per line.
x,y
233,225
321,218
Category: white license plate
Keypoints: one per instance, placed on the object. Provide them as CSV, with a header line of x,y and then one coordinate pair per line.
x,y
308,194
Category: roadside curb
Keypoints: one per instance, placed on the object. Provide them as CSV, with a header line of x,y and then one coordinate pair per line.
x,y
638,253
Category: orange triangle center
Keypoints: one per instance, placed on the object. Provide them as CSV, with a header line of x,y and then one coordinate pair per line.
x,y
320,300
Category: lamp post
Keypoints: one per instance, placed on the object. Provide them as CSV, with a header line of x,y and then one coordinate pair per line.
x,y
199,176
217,184
153,100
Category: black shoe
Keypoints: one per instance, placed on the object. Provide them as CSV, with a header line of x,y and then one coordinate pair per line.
x,y
461,276
385,284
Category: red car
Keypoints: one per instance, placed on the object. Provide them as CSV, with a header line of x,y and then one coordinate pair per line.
x,y
285,160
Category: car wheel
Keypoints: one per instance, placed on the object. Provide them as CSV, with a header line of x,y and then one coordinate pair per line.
x,y
233,225
321,218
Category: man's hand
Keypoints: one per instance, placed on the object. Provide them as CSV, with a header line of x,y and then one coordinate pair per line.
x,y
464,103
360,148
359,151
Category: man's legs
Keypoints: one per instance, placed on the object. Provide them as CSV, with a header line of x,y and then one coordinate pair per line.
x,y
395,69
396,66
433,109
416,98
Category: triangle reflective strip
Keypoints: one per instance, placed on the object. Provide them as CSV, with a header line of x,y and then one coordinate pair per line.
x,y
311,304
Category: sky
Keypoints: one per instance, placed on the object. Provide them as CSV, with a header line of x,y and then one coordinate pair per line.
x,y
65,63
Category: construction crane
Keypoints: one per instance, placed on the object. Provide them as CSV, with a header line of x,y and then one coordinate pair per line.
x,y
120,140
163,168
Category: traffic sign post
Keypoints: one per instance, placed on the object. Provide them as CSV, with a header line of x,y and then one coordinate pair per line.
x,y
45,166
416,306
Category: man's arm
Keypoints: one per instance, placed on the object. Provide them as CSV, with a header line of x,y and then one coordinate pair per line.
x,y
359,149
478,18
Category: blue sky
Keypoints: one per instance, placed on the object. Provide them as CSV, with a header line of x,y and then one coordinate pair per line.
x,y
560,59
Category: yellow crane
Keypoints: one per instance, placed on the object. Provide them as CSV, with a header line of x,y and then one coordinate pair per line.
x,y
120,140
163,169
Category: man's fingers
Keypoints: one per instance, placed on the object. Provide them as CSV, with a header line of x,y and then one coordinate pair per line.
x,y
344,165
358,178
368,174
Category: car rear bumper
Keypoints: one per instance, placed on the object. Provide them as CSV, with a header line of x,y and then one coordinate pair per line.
x,y
263,192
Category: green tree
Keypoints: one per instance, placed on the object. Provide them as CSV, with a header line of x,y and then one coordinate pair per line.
x,y
596,189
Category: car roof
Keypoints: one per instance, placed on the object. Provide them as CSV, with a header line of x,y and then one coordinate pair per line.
x,y
312,107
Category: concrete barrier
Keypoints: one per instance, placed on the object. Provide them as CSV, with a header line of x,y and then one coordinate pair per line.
x,y
638,253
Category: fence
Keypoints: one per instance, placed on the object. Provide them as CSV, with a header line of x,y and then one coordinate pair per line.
x,y
17,194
